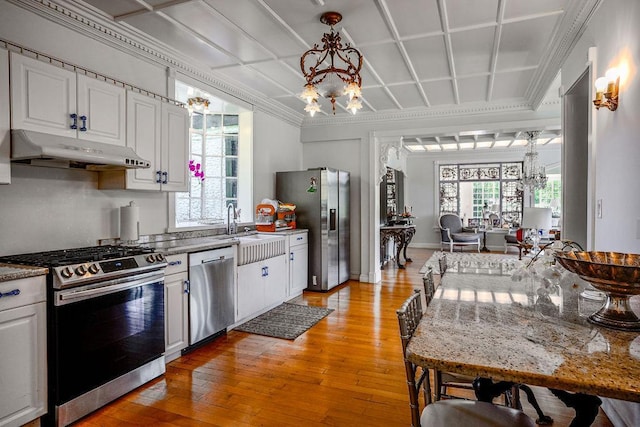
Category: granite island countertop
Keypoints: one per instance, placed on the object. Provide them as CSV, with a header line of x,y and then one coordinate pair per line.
x,y
522,331
15,271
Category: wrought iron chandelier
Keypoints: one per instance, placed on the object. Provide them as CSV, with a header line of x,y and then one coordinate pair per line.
x,y
533,175
331,71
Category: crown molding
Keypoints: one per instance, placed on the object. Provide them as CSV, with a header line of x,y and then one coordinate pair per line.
x,y
420,114
95,25
579,15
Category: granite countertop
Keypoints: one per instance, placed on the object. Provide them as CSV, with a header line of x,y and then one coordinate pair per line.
x,y
521,331
195,244
14,272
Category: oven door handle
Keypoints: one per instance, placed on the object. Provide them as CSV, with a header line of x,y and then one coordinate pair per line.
x,y
122,284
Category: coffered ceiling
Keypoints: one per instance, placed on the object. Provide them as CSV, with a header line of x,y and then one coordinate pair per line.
x,y
421,57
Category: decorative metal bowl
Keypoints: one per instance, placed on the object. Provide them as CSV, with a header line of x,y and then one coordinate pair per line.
x,y
614,273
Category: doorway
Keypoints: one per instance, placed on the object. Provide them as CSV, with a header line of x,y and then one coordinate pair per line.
x,y
575,161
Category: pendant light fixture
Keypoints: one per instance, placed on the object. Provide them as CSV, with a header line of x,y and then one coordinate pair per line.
x,y
331,71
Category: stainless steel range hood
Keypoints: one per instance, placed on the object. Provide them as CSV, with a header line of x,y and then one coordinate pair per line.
x,y
42,149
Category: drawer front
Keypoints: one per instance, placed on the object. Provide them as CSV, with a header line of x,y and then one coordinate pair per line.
x,y
176,264
298,239
20,292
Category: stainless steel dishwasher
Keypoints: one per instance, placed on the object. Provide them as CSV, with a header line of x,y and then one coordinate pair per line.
x,y
211,293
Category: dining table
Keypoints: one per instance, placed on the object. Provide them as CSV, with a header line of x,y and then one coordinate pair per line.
x,y
527,329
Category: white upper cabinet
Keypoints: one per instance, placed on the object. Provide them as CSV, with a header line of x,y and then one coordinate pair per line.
x,y
104,106
5,131
143,136
175,147
158,132
46,98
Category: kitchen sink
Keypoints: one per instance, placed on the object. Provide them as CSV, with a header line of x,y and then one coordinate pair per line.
x,y
257,247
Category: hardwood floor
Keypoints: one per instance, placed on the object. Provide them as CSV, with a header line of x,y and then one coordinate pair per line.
x,y
345,371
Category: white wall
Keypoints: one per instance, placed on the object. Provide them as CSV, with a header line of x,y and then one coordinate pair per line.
x,y
278,149
616,151
323,154
46,209
616,154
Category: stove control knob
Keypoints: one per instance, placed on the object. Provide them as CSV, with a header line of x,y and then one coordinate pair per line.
x,y
66,272
159,257
150,259
93,269
81,270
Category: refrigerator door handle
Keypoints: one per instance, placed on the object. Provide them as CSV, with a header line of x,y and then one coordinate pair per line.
x,y
332,219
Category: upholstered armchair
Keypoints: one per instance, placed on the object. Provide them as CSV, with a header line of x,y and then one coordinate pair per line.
x,y
452,232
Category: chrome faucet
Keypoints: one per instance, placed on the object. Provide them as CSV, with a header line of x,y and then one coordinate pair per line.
x,y
231,225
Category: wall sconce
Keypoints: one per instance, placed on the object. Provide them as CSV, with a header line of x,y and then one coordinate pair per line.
x,y
607,87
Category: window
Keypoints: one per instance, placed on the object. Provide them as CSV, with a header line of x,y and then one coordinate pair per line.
x,y
550,197
475,190
216,152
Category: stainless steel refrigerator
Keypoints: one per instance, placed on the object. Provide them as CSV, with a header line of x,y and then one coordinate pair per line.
x,y
321,197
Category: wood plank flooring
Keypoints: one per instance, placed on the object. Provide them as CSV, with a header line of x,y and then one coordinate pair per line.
x,y
345,371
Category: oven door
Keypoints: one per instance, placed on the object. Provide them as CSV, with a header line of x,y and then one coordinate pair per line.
x,y
104,330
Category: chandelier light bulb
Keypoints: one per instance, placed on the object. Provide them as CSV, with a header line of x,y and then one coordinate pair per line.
x,y
312,108
353,90
354,105
309,93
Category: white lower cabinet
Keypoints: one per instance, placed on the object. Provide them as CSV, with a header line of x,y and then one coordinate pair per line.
x,y
261,285
176,304
298,250
23,340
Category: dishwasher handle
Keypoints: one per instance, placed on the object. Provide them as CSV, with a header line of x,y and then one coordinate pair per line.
x,y
220,258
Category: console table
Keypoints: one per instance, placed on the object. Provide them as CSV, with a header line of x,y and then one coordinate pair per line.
x,y
401,235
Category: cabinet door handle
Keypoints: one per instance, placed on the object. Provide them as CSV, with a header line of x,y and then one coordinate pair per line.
x,y
187,287
83,128
165,176
158,177
267,271
10,293
291,256
74,125
172,263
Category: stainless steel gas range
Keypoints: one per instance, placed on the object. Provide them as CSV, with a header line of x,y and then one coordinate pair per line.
x,y
105,310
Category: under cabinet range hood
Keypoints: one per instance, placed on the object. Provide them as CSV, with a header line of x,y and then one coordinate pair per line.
x,y
42,149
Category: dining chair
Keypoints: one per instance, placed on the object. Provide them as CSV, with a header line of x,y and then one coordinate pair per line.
x,y
442,264
445,412
429,285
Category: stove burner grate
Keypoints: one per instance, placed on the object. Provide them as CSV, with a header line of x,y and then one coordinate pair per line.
x,y
75,256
